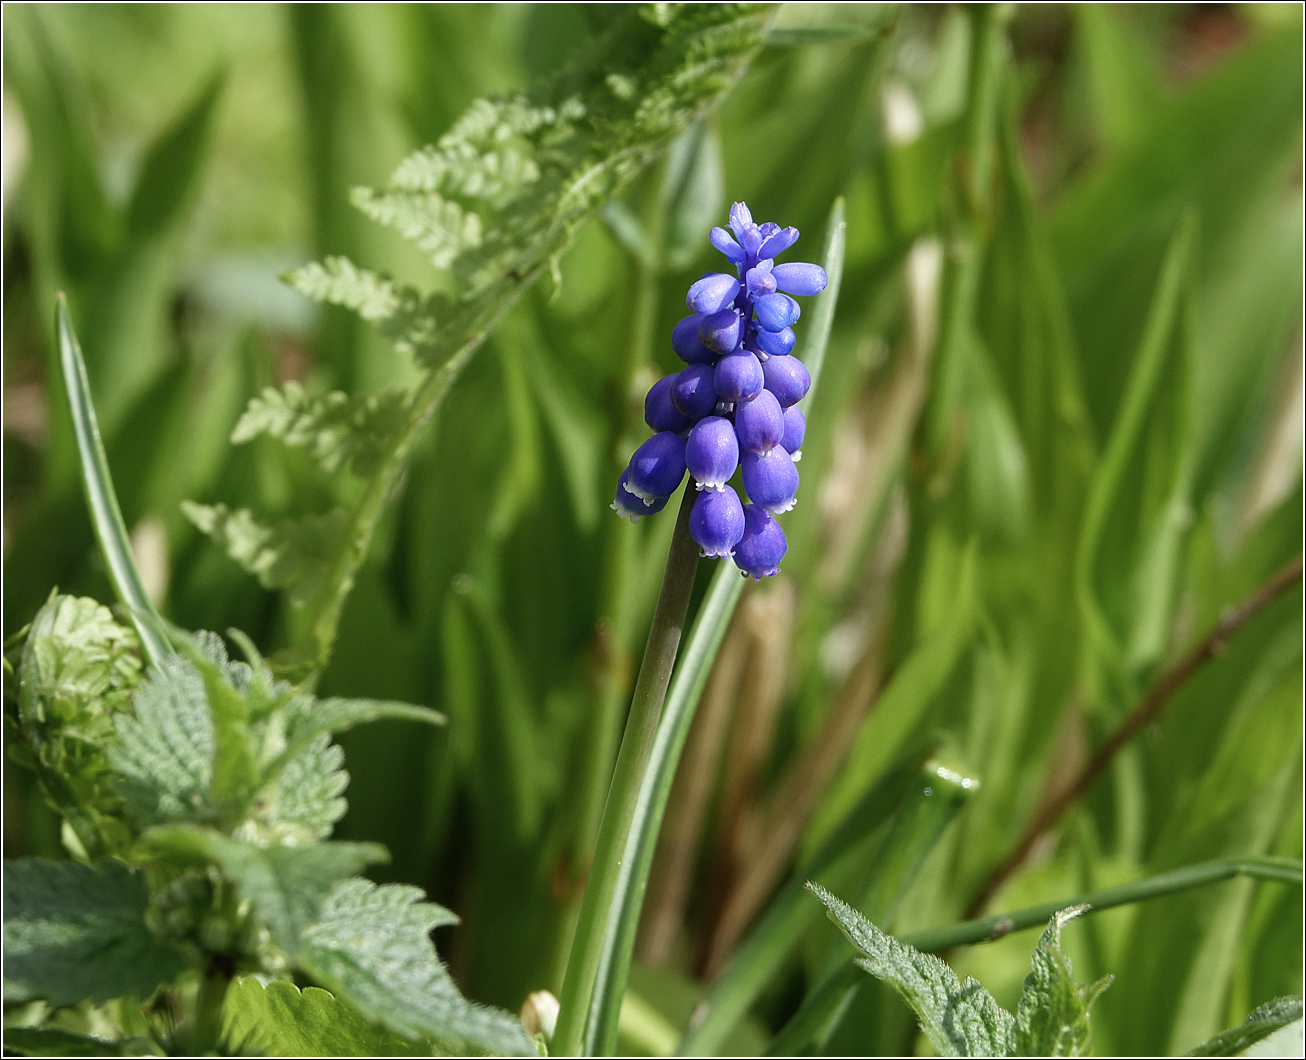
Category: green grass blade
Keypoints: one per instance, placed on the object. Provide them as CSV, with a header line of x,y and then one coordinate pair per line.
x,y
110,530
939,796
790,914
992,928
817,336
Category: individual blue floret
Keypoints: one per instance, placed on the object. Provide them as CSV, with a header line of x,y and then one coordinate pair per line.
x,y
712,452
717,521
657,467
760,423
770,479
628,506
787,378
659,412
762,545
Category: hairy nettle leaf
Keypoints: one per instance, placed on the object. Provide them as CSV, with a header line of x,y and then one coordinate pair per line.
x,y
962,1018
74,931
163,757
282,1020
372,947
959,1018
285,885
1268,1019
1052,1019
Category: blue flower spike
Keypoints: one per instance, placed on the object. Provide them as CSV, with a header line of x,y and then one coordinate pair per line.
x,y
735,406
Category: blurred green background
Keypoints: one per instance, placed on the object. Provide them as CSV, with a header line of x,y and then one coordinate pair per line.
x,y
1058,433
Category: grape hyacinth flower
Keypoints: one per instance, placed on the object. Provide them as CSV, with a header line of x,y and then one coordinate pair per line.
x,y
734,407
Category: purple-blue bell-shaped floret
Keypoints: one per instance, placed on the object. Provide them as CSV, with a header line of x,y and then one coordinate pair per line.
x,y
694,392
776,311
795,430
775,343
712,293
685,341
787,378
657,467
721,331
762,546
760,423
712,452
738,377
724,242
800,277
717,521
759,281
628,506
740,218
659,412
778,242
771,479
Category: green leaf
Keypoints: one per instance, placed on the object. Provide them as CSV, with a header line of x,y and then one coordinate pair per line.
x,y
959,1018
106,516
306,798
371,947
1052,1019
334,429
939,795
171,168
1137,510
74,931
163,757
285,885
439,226
821,23
1263,1022
903,703
51,1041
236,775
282,1020
309,720
577,431
399,313
290,554
790,915
694,191
816,335
1122,77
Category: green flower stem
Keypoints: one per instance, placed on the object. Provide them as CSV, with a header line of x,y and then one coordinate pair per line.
x,y
623,794
206,1034
992,928
655,789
